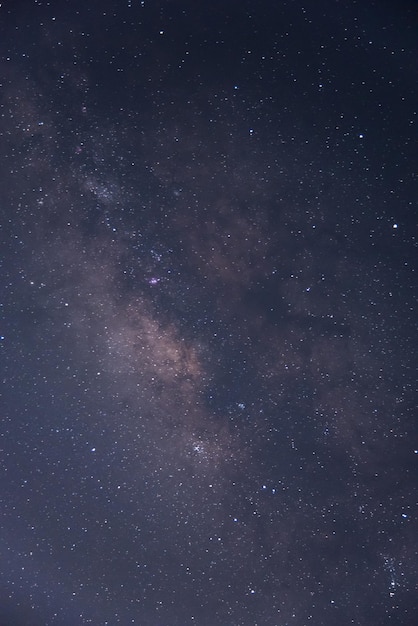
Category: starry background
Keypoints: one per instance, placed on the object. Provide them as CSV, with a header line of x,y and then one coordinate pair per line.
x,y
207,294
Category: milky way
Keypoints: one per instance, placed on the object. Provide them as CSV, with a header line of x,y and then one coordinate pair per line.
x,y
208,314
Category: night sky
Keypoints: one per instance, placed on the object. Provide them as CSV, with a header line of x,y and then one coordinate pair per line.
x,y
208,309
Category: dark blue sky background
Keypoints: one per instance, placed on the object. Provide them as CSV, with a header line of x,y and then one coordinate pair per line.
x,y
208,330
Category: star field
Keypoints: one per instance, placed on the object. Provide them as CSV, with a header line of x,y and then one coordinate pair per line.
x,y
208,313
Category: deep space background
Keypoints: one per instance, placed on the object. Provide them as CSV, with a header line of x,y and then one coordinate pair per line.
x,y
208,312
